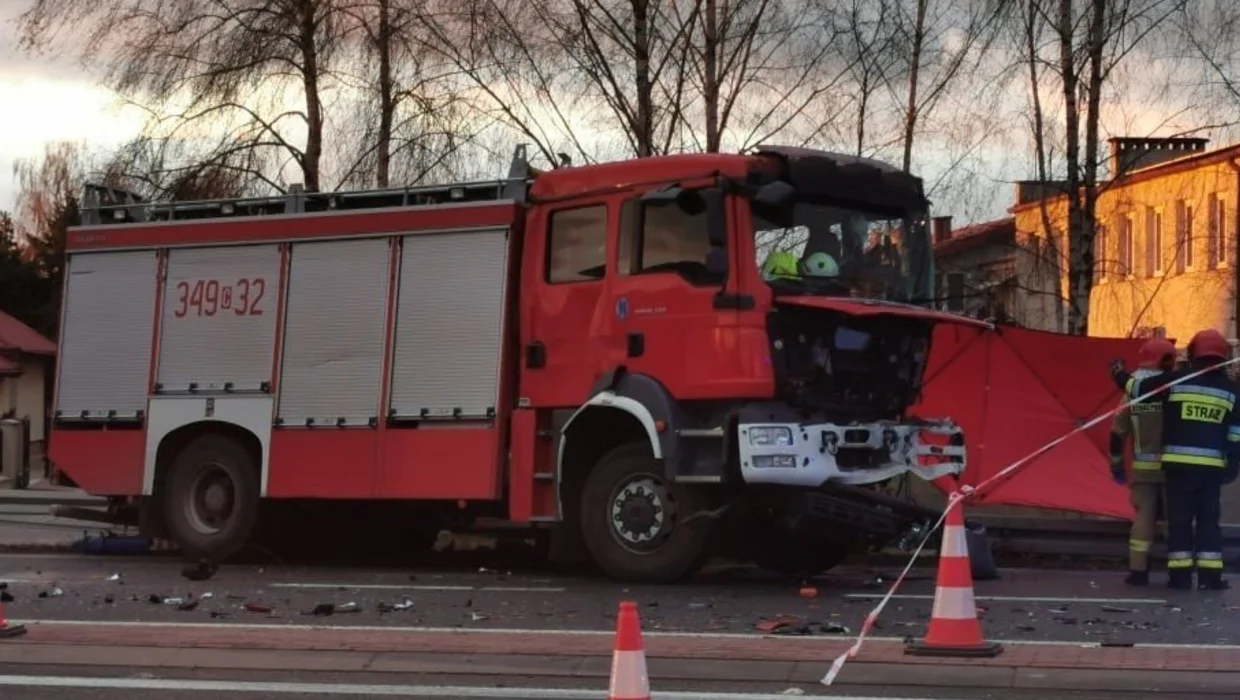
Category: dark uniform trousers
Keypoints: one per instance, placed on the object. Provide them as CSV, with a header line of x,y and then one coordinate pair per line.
x,y
1194,535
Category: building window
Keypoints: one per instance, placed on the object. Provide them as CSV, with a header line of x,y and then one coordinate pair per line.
x,y
666,239
1100,252
1125,245
1216,232
955,291
577,244
1183,236
1153,242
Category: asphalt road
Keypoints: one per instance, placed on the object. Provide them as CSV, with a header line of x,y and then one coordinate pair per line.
x,y
1058,606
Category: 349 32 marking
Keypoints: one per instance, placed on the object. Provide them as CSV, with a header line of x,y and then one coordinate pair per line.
x,y
210,297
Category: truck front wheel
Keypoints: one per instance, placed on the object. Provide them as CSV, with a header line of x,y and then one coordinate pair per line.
x,y
633,519
211,498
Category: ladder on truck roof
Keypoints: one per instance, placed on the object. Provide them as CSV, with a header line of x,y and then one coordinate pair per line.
x,y
103,205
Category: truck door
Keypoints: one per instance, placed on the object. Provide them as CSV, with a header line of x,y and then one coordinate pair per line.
x,y
666,319
564,310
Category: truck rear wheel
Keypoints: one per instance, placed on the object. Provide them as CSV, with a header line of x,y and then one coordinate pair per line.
x,y
632,519
211,498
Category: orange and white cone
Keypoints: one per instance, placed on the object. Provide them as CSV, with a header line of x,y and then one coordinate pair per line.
x,y
8,629
954,627
628,664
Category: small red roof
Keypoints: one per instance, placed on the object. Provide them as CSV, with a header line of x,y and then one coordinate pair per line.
x,y
18,337
977,235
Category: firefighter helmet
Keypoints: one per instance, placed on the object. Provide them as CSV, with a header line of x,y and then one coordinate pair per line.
x,y
1156,352
1209,344
820,265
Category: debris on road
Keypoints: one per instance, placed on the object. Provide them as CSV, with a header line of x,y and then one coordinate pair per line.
x,y
114,577
188,605
6,597
809,592
478,617
53,592
1117,609
406,604
835,628
257,608
201,571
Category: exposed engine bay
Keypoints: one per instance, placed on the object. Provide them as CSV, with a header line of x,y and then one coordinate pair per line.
x,y
850,368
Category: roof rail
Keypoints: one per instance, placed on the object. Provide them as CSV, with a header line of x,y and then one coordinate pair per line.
x,y
103,205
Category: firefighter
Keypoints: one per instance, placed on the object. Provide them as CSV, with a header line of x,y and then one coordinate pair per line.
x,y
1143,423
1200,437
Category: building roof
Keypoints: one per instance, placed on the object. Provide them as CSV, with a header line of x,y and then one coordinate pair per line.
x,y
977,236
8,366
1151,172
16,336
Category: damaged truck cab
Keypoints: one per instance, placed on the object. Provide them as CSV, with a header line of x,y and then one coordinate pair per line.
x,y
750,331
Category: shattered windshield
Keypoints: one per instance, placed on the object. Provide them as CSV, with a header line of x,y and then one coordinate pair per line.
x,y
841,251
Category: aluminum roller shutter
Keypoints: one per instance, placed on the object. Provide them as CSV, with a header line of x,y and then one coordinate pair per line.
x,y
449,324
219,317
334,328
109,316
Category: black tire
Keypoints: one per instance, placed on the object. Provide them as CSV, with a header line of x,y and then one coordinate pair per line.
x,y
218,469
678,549
800,557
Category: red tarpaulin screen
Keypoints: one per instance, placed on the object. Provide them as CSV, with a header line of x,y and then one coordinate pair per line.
x,y
1013,390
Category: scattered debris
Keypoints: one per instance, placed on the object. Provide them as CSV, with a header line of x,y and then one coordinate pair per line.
x,y
1026,628
156,599
53,592
700,606
173,601
348,608
201,571
323,610
793,691
834,628
478,617
4,586
257,608
1059,611
1117,609
109,599
406,604
1107,643
808,592
188,605
114,577
6,597
217,614
206,596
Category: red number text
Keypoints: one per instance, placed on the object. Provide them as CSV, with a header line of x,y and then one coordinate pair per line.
x,y
210,297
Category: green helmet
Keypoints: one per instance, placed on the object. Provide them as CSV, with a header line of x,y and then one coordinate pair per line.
x,y
780,264
820,265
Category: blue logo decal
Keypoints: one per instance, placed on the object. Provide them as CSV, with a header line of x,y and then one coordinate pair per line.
x,y
622,308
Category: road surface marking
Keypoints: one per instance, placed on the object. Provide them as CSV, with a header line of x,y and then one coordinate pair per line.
x,y
397,587
1017,599
1082,644
352,689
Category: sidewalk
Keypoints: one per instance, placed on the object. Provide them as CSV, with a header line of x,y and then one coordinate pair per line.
x,y
42,493
740,658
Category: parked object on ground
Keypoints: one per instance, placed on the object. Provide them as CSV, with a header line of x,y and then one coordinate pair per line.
x,y
590,350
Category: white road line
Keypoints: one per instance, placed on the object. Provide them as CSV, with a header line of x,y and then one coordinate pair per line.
x,y
351,689
1083,644
1018,599
397,587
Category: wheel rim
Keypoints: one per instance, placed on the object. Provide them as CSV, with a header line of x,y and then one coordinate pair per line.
x,y
213,498
642,513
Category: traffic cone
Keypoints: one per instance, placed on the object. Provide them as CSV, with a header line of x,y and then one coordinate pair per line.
x,y
628,663
954,627
9,630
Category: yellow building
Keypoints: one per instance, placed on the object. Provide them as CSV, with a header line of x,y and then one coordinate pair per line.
x,y
1165,244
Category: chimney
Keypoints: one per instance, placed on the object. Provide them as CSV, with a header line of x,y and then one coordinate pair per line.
x,y
941,228
1129,153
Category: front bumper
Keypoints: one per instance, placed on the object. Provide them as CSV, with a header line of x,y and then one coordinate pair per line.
x,y
812,454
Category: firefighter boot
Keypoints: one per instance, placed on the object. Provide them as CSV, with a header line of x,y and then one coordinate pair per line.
x,y
1180,579
1212,581
1138,578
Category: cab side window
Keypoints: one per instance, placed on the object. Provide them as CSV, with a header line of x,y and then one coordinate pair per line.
x,y
665,239
577,244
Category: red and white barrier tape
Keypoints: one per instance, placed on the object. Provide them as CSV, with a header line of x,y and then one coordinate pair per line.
x,y
956,498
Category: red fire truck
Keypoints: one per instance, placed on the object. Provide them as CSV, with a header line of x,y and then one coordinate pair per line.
x,y
650,358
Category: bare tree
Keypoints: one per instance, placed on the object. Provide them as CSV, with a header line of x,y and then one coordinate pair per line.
x,y
1078,47
257,69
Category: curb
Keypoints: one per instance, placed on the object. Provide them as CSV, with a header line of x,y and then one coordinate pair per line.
x,y
670,671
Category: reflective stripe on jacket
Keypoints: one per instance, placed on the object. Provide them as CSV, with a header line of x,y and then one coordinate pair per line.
x,y
1200,426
